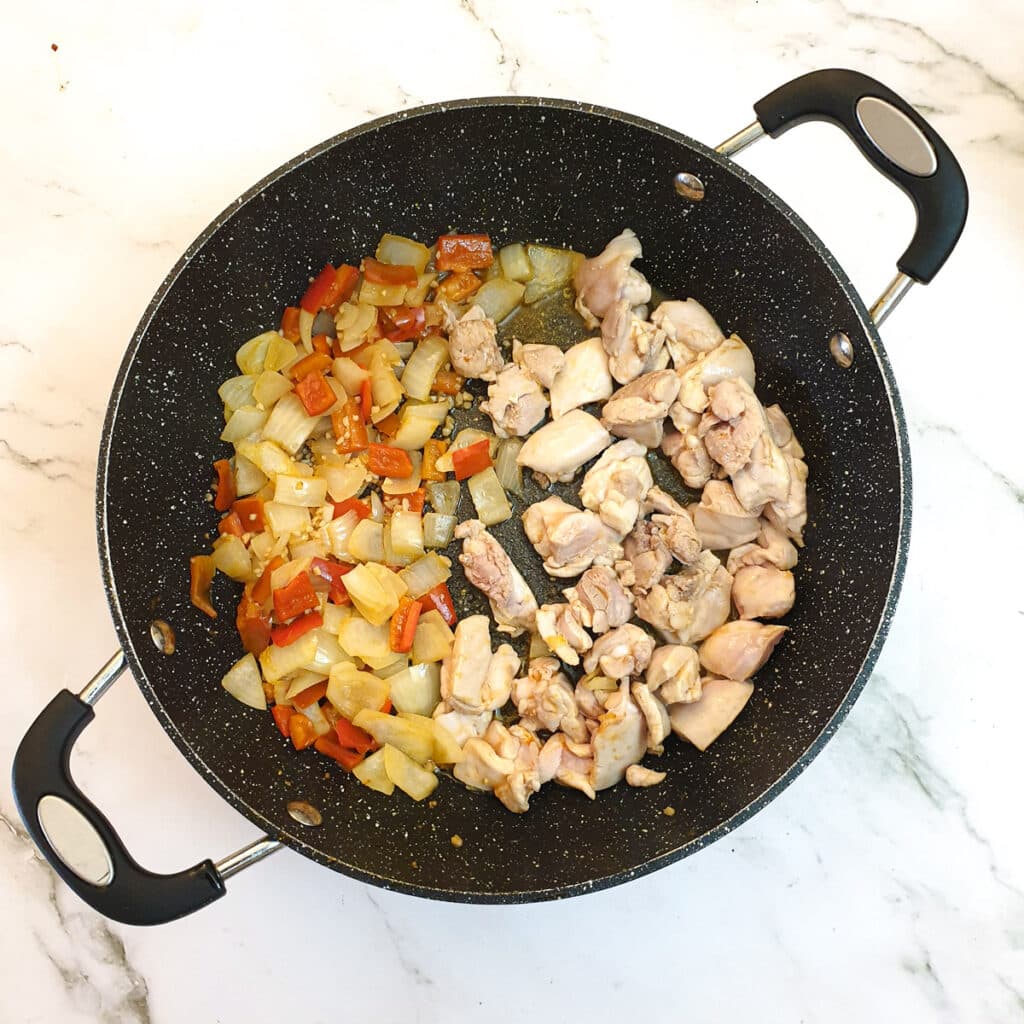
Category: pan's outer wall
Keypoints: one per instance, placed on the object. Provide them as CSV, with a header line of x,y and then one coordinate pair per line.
x,y
519,169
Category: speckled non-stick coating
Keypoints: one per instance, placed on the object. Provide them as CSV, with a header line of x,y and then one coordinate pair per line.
x,y
520,170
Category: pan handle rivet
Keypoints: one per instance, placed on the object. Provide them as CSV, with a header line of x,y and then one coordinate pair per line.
x,y
689,186
162,636
842,349
304,813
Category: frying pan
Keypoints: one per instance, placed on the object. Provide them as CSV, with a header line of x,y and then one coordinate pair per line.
x,y
567,174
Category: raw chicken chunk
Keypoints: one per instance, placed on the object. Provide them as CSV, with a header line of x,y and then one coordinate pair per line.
x,y
762,592
490,569
689,330
702,722
599,600
773,548
473,345
609,277
473,679
619,740
460,725
674,674
638,410
617,484
638,775
739,648
730,359
633,345
560,628
655,716
541,362
721,521
560,448
568,763
582,378
685,449
686,607
544,699
515,402
732,424
569,539
622,652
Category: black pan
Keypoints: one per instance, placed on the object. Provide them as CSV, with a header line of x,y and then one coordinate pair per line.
x,y
521,169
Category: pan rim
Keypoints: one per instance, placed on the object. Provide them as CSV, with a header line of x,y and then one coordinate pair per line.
x,y
828,730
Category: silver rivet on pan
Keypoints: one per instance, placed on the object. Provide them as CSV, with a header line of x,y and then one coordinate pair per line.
x,y
162,636
689,186
305,814
842,349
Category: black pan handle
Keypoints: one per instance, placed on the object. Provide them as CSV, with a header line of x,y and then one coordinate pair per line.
x,y
80,843
894,137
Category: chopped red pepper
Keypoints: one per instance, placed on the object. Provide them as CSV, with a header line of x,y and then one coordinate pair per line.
x,y
301,730
387,461
230,524
348,759
332,573
389,425
290,324
401,323
328,287
440,599
252,623
433,449
388,273
361,508
463,252
349,430
412,501
315,362
261,592
473,459
385,708
322,344
282,713
201,570
224,486
282,636
294,598
447,382
250,514
348,278
403,625
460,285
353,738
316,395
365,400
311,694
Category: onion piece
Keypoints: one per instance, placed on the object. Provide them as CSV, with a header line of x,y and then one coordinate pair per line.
x,y
366,542
339,531
372,598
267,457
553,269
433,639
430,355
316,717
288,425
277,662
418,423
251,356
301,681
249,478
405,484
345,480
237,391
307,492
335,616
507,469
444,496
489,497
438,530
243,682
284,574
306,329
417,689
232,558
499,297
387,392
515,264
415,738
424,574
351,691
405,534
269,387
411,778
401,251
280,353
286,520
243,423
363,640
372,773
349,374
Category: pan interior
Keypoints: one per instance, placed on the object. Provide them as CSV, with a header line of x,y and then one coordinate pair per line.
x,y
520,171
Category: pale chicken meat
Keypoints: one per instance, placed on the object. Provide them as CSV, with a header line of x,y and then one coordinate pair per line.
x,y
616,485
731,358
686,607
790,515
732,423
473,345
515,402
560,628
541,362
569,539
721,521
782,432
739,648
638,410
472,678
567,763
679,535
703,721
655,716
482,767
772,548
640,776
583,377
689,330
490,570
633,345
620,653
589,701
674,674
609,277
544,699
762,592
647,554
619,740
766,476
599,601
522,748
685,450
561,447
460,725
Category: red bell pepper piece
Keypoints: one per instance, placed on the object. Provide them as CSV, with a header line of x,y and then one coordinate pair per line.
x,y
386,707
311,694
282,714
473,459
403,625
250,514
387,461
389,425
459,285
329,288
440,599
230,524
282,636
361,508
201,570
365,400
349,430
294,598
353,738
401,323
333,573
322,344
316,395
411,502
301,730
224,486
252,623
290,324
388,273
463,252
348,759
447,382
261,592
315,362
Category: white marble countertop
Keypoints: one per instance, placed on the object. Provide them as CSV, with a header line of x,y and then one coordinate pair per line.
x,y
886,884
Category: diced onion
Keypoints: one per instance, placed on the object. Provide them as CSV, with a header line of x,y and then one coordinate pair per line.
x,y
391,581
288,425
373,600
306,329
463,439
433,638
444,496
418,424
349,374
313,547
339,532
424,574
308,492
284,520
317,718
509,472
343,481
372,773
386,390
489,497
416,294
362,639
280,353
413,737
417,689
401,251
335,616
266,457
249,478
251,356
438,530
515,264
301,681
393,668
232,558
328,652
430,355
352,323
269,387
260,545
237,391
405,484
381,294
277,662
366,543
553,269
352,691
498,297
284,574
243,423
243,682
411,778
405,531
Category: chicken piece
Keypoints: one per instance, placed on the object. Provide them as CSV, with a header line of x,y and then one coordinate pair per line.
x,y
766,476
679,535
674,674
762,592
560,628
739,648
490,570
648,555
621,652
473,345
472,679
773,548
569,539
541,362
686,607
659,500
730,359
481,766
641,777
568,763
782,432
515,402
721,521
619,740
633,345
617,484
583,377
638,410
686,451
608,278
460,725
522,748
655,716
560,448
703,721
689,330
544,700
732,424
599,600
790,515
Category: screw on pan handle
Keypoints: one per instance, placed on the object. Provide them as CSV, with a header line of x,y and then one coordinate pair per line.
x,y
78,841
894,137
